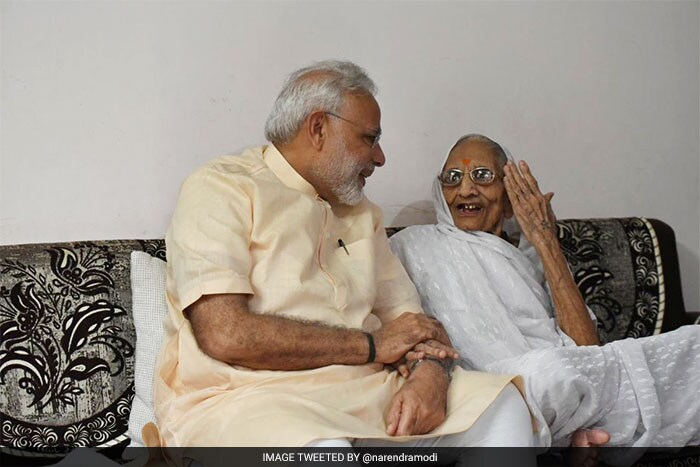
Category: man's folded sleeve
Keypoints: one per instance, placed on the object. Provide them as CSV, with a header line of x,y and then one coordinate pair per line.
x,y
208,243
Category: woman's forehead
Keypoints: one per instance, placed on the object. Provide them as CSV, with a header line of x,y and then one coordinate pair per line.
x,y
472,154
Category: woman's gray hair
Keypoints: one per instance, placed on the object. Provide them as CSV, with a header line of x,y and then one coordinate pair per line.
x,y
501,156
321,86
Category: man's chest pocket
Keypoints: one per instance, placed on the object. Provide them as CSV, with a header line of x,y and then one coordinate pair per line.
x,y
355,263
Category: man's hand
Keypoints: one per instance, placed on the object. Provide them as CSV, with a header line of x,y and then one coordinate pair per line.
x,y
421,404
532,209
395,339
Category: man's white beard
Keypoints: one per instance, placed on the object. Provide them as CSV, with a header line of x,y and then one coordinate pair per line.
x,y
341,173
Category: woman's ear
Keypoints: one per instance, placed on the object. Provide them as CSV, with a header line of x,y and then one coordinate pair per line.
x,y
317,129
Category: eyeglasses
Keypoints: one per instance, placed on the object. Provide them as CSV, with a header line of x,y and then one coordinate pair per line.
x,y
372,138
479,175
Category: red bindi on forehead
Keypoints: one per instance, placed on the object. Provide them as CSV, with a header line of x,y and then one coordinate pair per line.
x,y
466,162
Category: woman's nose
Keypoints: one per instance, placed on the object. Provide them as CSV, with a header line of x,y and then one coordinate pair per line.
x,y
467,187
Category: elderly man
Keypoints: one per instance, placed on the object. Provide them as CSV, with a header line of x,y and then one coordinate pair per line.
x,y
286,304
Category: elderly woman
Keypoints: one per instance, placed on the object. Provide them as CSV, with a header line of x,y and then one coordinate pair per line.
x,y
513,307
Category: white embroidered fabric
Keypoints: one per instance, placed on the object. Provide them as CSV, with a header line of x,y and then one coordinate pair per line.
x,y
499,316
493,301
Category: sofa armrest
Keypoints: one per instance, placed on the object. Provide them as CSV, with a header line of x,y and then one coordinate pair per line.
x,y
675,314
692,317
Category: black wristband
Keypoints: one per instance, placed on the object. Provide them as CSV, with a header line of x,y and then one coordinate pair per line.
x,y
372,348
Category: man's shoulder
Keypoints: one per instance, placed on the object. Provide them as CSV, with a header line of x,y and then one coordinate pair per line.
x,y
248,163
230,170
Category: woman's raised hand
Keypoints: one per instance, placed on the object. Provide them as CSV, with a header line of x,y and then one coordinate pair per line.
x,y
532,209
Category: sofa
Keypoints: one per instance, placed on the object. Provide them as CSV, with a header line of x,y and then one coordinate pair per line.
x,y
69,352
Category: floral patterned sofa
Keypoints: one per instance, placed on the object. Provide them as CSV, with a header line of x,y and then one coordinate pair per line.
x,y
67,344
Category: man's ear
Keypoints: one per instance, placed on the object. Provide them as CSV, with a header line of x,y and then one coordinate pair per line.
x,y
317,129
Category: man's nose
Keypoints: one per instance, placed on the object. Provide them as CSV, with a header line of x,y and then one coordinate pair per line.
x,y
378,156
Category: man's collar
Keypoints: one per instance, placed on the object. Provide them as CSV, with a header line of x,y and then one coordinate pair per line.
x,y
285,172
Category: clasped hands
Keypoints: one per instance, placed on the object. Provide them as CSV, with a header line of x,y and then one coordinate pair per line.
x,y
420,405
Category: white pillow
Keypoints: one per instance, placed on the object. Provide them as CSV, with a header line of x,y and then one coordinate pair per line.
x,y
149,311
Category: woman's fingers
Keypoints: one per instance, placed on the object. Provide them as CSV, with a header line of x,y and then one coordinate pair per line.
x,y
413,355
510,186
437,349
517,179
532,209
515,196
525,185
530,206
529,179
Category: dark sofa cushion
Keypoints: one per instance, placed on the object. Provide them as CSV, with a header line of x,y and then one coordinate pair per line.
x,y
67,352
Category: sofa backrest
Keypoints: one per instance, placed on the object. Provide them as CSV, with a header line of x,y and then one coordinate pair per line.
x,y
68,339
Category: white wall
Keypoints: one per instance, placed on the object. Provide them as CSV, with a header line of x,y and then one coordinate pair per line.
x,y
106,106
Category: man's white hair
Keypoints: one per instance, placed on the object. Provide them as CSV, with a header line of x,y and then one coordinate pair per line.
x,y
321,86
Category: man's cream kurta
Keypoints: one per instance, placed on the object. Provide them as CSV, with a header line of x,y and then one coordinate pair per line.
x,y
251,224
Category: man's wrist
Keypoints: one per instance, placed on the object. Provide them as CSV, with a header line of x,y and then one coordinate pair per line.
x,y
445,364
